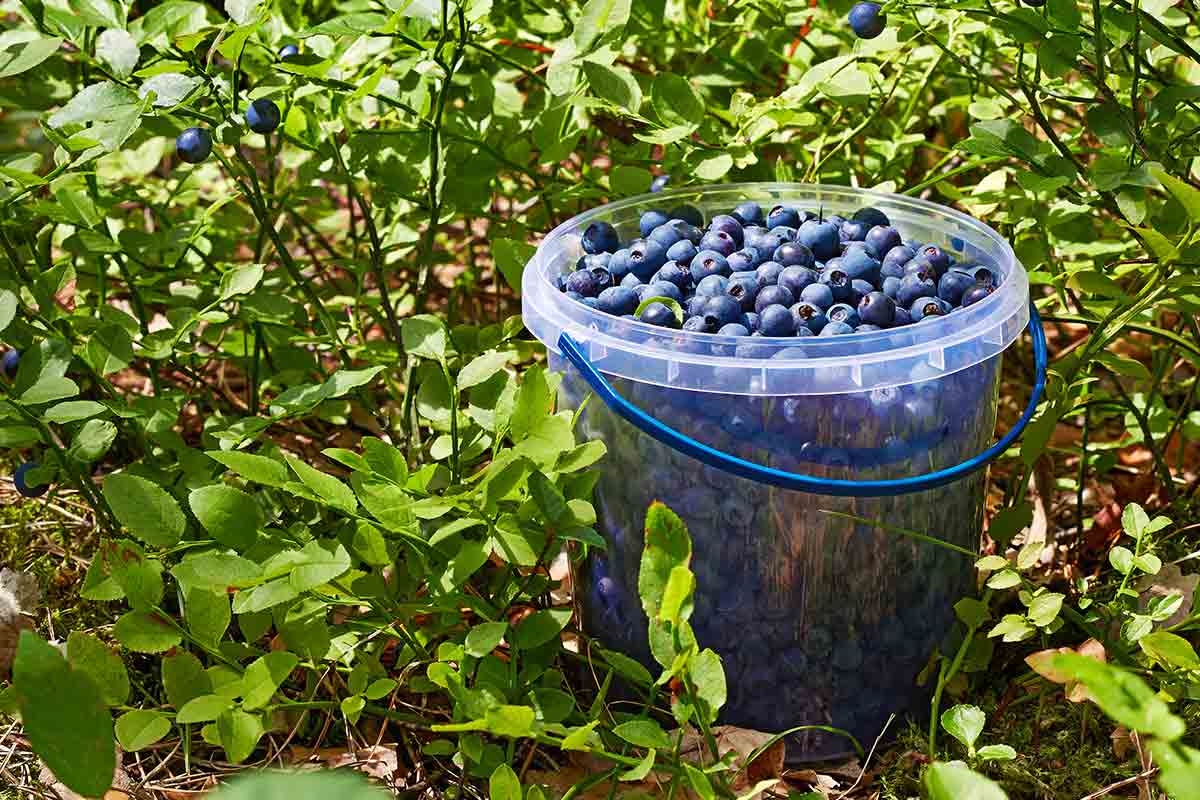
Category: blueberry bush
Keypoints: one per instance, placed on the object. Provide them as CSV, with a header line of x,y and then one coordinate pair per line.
x,y
259,297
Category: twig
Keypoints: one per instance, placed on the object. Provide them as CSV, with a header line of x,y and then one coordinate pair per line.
x,y
1121,784
862,773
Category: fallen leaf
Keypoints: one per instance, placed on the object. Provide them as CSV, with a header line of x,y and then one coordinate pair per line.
x,y
19,596
1121,742
379,761
1106,526
743,742
1169,580
1042,662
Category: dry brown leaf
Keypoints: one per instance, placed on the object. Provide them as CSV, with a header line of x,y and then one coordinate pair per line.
x,y
1041,662
1106,526
1121,742
379,761
19,596
1169,580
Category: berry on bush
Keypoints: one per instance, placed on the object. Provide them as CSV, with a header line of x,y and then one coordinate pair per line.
x,y
659,183
288,52
21,481
262,116
194,145
9,364
866,20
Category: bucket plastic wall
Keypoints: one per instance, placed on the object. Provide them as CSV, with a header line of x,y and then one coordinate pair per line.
x,y
821,616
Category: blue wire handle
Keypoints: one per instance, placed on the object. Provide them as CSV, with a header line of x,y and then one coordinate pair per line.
x,y
808,483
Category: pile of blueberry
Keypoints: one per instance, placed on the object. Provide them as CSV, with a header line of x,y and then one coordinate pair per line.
x,y
784,272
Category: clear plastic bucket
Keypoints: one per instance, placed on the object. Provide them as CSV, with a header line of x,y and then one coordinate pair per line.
x,y
821,616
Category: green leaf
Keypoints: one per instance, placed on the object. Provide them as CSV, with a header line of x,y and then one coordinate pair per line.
x,y
119,50
481,368
229,515
1170,650
259,469
96,103
551,705
311,785
643,733
328,488
641,770
1187,195
239,733
207,614
146,632
627,667
169,88
512,721
25,56
73,411
667,546
548,499
47,390
483,639
145,509
98,13
540,627
617,85
264,676
1122,695
205,708
680,586
703,787
137,730
708,676
599,17
92,657
511,257
140,578
64,717
1134,520
676,101
713,167
426,336
243,12
1180,769
1044,608
996,752
964,723
323,561
580,738
184,680
1121,559
241,280
504,785
972,612
216,571
954,780
8,308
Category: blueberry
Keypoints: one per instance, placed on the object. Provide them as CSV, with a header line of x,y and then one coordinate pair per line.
x,y
665,289
711,286
21,484
835,219
768,273
819,294
746,258
857,263
866,326
785,232
766,242
924,307
796,279
618,300
582,283
936,257
288,52
913,287
674,231
602,277
750,321
618,264
807,315
821,238
783,215
882,238
700,324
660,315
9,364
853,231
748,213
646,257
877,308
694,307
838,283
836,329
650,220
689,214
682,252
600,237
841,312
975,294
708,262
729,224
734,329
744,290
262,116
576,296
793,254
868,214
776,320
630,281
672,272
193,145
594,260
591,302
895,259
719,241
891,286
902,317
983,275
772,295
803,330
953,284
860,289
724,308
659,183
921,267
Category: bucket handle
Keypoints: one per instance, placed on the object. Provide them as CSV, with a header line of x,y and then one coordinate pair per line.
x,y
808,483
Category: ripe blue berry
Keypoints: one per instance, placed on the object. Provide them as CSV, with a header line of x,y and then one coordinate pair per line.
x,y
838,283
975,294
872,216
776,320
795,279
882,238
659,183
711,286
902,317
262,115
746,259
793,254
671,272
719,241
660,315
853,231
689,214
772,295
876,308
734,329
646,257
749,213
891,286
193,145
729,224
618,300
768,273
836,328
724,308
682,252
857,263
9,364
953,284
651,220
866,20
600,237
582,283
699,323
925,307
783,215
819,294
708,263
841,312
821,238
807,315
936,257
21,482
744,290
894,261
288,52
